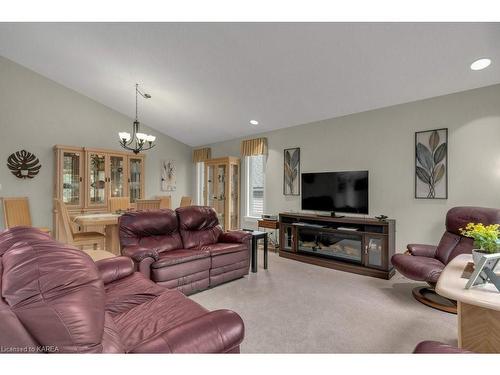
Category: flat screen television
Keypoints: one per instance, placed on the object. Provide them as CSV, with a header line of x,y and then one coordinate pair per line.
x,y
345,192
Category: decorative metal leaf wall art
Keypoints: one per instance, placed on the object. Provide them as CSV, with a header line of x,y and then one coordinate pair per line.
x,y
23,164
291,177
431,169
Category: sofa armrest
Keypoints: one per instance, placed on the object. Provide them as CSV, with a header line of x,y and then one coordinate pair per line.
x,y
138,253
219,331
112,269
435,347
235,236
420,250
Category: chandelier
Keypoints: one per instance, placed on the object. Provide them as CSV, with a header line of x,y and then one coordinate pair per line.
x,y
138,141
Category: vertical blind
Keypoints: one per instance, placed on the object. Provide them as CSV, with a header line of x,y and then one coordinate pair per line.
x,y
202,154
257,146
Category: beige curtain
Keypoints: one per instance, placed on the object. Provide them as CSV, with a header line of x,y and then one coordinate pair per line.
x,y
202,154
257,146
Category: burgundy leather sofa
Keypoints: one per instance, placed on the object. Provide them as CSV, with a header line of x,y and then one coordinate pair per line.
x,y
426,262
184,249
55,299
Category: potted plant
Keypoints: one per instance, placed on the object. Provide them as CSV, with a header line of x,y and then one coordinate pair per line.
x,y
486,239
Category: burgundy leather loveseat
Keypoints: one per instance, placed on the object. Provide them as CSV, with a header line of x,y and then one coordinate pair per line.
x,y
55,299
184,249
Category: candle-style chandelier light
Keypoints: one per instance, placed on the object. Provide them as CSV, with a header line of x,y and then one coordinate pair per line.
x,y
138,141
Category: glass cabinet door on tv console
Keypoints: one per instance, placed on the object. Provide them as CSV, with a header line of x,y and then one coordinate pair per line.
x,y
375,256
222,190
286,234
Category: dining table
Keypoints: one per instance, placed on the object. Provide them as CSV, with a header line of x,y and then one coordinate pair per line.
x,y
109,221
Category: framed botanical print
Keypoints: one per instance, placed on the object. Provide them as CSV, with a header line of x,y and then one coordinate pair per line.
x,y
168,175
291,172
431,164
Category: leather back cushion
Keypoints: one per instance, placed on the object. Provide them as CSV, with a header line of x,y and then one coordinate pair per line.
x,y
151,229
199,226
13,335
453,243
11,236
56,293
459,217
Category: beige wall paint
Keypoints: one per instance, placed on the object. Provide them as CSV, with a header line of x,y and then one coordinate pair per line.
x,y
37,113
382,141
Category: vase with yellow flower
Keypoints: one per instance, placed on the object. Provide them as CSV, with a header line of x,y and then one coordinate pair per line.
x,y
486,239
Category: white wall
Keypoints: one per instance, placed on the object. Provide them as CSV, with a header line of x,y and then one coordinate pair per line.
x,y
37,113
382,141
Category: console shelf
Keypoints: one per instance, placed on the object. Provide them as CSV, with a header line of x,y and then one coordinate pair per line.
x,y
359,245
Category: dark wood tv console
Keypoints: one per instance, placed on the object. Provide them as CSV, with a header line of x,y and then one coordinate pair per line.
x,y
359,245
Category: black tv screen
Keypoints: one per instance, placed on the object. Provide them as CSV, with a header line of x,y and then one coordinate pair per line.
x,y
335,191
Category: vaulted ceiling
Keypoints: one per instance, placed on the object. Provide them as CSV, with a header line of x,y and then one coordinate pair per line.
x,y
208,80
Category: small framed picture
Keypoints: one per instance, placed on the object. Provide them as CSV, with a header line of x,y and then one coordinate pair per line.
x,y
484,271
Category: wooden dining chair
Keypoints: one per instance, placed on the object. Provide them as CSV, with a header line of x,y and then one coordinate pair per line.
x,y
186,201
165,201
16,212
94,239
147,204
118,204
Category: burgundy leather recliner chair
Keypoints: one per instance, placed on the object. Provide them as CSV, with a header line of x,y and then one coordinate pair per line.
x,y
55,299
426,262
184,249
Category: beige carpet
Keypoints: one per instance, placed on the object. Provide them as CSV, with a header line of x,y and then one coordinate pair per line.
x,y
295,307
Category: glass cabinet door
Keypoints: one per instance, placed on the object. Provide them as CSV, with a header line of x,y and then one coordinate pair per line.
x,y
374,254
135,179
234,202
210,195
286,232
71,178
222,190
221,194
97,179
117,176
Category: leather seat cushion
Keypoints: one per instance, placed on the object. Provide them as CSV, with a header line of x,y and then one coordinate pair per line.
x,y
125,294
230,259
173,257
181,270
418,268
153,317
225,248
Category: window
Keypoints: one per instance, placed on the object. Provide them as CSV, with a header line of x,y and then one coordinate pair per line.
x,y
200,184
255,186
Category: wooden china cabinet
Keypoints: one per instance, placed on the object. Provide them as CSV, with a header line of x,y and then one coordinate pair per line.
x,y
222,190
86,177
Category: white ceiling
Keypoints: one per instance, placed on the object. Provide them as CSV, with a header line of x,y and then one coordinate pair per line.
x,y
209,79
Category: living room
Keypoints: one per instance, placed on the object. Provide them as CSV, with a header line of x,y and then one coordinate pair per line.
x,y
250,185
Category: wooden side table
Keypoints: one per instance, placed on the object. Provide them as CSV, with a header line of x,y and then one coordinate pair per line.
x,y
478,308
270,224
